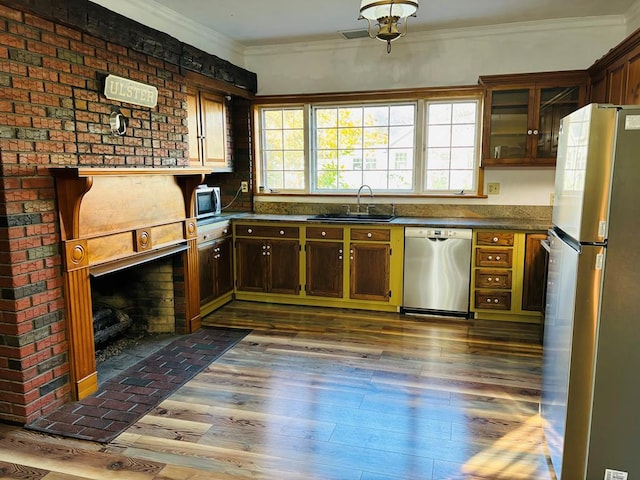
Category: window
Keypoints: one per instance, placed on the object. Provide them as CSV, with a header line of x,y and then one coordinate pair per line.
x,y
358,144
338,148
283,148
451,153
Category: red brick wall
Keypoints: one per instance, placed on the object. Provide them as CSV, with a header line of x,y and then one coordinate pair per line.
x,y
52,113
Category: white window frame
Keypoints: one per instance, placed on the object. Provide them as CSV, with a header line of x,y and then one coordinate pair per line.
x,y
420,146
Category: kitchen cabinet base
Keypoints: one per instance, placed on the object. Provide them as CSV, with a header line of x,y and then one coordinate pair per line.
x,y
534,317
215,304
317,302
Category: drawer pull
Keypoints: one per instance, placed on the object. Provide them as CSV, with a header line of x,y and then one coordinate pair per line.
x,y
249,230
281,232
264,247
497,279
369,235
494,239
324,234
489,279
490,257
498,257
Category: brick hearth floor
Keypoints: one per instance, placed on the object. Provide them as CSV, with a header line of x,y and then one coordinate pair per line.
x,y
123,399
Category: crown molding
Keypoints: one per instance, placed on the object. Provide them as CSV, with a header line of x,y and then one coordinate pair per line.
x,y
444,34
159,17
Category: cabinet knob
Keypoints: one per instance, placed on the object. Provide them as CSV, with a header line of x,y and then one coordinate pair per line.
x,y
264,247
489,279
324,234
535,132
340,251
494,239
498,257
268,247
495,300
249,230
281,232
497,279
488,300
490,257
369,235
268,253
339,257
529,132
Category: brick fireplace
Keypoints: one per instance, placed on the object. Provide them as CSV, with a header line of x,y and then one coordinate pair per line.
x,y
53,57
102,232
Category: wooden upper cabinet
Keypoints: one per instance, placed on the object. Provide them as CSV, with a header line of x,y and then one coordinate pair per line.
x,y
207,123
615,78
522,115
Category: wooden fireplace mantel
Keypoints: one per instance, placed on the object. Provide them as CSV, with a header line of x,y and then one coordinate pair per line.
x,y
116,215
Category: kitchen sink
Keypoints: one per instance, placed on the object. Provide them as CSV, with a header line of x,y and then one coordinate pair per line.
x,y
353,217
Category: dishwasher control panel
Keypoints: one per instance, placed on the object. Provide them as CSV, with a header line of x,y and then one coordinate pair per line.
x,y
462,233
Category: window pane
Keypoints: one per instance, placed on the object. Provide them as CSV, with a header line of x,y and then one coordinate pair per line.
x,y
374,116
350,138
274,160
439,114
439,136
463,135
402,115
350,180
376,137
439,158
401,137
294,180
326,117
293,118
272,119
401,180
350,117
293,140
275,180
461,180
462,158
464,113
327,138
294,160
273,140
438,180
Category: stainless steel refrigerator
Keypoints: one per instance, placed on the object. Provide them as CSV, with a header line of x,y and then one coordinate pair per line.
x,y
591,355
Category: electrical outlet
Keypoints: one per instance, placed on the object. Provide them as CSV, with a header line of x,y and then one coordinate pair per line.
x,y
244,186
610,474
493,188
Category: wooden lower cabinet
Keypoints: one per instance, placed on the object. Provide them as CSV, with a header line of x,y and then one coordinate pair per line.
x,y
506,282
268,265
215,266
324,269
267,258
369,271
350,266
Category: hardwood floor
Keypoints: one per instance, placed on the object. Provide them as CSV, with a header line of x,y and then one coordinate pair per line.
x,y
328,394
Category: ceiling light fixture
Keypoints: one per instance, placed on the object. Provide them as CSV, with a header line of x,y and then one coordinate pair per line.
x,y
387,15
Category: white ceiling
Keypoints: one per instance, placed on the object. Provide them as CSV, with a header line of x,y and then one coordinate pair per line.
x,y
259,22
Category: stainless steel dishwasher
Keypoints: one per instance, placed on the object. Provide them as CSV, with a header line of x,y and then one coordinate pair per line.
x,y
437,271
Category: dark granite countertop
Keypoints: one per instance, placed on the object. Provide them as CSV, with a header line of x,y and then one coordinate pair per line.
x,y
525,224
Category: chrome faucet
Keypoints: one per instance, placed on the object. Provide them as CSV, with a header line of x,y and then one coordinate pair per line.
x,y
358,197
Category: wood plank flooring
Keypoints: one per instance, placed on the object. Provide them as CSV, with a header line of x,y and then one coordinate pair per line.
x,y
328,394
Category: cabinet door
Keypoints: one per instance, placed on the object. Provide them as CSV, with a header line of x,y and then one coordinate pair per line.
x,y
369,271
553,103
616,83
205,273
535,273
324,269
251,264
632,93
214,147
193,114
508,124
284,266
223,266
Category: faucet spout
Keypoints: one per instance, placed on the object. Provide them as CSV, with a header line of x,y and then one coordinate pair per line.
x,y
358,196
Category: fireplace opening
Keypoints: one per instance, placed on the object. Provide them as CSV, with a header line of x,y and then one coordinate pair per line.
x,y
134,313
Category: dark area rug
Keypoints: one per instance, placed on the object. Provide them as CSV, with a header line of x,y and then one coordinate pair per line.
x,y
123,399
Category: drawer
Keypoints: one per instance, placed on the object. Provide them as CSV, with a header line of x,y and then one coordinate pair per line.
x,y
320,233
486,257
493,278
213,231
372,234
270,231
495,238
493,300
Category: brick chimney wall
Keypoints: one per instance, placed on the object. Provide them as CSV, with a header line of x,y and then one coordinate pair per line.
x,y
52,113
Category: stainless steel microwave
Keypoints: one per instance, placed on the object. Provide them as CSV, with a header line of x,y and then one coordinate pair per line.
x,y
207,202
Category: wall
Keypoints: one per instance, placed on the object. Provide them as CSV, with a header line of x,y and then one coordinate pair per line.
x,y
52,114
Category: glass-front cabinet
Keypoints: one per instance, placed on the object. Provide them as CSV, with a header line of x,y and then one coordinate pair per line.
x,y
522,115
